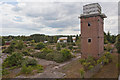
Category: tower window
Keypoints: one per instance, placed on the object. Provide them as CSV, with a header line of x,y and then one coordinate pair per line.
x,y
88,24
89,40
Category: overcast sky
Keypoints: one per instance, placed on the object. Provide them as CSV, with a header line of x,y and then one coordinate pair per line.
x,y
51,18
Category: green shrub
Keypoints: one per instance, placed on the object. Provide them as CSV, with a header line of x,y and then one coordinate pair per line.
x,y
29,62
58,46
10,49
90,67
25,52
58,57
46,50
14,60
98,61
26,70
108,47
66,54
118,43
105,61
39,68
108,56
91,60
40,45
63,45
70,47
82,61
73,44
19,45
5,72
50,56
37,55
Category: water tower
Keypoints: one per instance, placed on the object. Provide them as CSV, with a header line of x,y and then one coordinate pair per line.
x,y
92,30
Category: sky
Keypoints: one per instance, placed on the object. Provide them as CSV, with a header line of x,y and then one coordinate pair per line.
x,y
50,18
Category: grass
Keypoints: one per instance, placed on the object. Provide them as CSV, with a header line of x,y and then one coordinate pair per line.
x,y
72,70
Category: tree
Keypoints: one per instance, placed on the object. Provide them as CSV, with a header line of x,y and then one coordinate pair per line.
x,y
77,37
69,39
105,38
58,46
108,36
113,38
40,45
118,43
3,42
55,39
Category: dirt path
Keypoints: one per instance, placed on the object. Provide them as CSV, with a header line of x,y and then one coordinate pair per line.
x,y
52,69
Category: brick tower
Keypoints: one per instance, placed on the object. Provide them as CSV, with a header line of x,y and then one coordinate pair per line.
x,y
92,31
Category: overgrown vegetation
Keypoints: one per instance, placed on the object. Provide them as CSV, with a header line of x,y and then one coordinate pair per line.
x,y
29,65
53,55
14,60
40,45
118,43
90,62
14,45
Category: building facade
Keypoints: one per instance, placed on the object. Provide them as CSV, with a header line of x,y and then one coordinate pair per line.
x,y
92,31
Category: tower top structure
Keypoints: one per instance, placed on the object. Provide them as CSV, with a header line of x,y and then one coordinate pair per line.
x,y
91,10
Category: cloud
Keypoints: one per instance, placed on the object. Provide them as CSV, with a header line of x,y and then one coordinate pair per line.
x,y
25,18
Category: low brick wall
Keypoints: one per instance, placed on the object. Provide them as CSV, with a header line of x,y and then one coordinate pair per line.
x,y
93,71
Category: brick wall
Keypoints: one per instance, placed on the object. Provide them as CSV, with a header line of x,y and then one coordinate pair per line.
x,y
95,32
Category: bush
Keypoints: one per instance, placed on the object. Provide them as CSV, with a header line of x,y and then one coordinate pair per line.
x,y
91,60
5,72
14,60
118,43
25,52
26,70
99,61
66,54
58,57
108,56
63,45
19,45
29,62
70,47
10,49
58,47
39,68
3,42
50,56
105,61
90,67
46,50
40,45
43,53
82,61
73,44
108,47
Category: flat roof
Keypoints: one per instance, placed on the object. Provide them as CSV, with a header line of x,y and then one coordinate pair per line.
x,y
93,15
